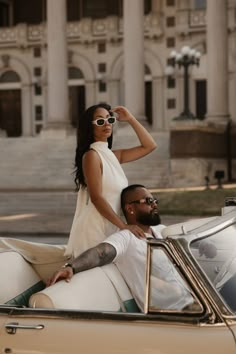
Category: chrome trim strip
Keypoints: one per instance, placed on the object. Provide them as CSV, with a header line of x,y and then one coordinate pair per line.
x,y
147,280
215,225
11,328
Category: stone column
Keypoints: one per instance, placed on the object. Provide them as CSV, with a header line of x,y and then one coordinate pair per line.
x,y
58,105
134,57
156,6
159,122
90,93
26,101
217,61
114,92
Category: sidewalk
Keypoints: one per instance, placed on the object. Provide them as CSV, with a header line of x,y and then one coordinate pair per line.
x,y
39,224
50,213
51,224
36,212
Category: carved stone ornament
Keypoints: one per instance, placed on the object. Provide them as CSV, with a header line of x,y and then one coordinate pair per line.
x,y
5,60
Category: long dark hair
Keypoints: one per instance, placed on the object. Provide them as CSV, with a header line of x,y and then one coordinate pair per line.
x,y
85,138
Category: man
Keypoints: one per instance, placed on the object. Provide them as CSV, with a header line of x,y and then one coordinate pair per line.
x,y
129,253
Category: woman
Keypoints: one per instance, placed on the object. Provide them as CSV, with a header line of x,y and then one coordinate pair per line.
x,y
99,176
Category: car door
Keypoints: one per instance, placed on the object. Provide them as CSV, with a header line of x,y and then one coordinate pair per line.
x,y
39,331
158,331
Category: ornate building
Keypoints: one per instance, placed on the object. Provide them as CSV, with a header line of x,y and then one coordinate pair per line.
x,y
58,57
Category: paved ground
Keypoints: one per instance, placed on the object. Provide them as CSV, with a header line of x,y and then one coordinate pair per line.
x,y
44,217
47,216
49,228
51,224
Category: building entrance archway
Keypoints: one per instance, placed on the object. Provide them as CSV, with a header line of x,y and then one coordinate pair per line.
x,y
10,104
76,95
10,112
76,103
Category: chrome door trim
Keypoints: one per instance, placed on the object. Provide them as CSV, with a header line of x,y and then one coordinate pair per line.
x,y
12,327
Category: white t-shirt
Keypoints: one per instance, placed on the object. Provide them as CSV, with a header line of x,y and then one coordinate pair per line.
x,y
130,259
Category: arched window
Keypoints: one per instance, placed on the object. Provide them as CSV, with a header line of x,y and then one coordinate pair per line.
x,y
9,76
74,73
147,70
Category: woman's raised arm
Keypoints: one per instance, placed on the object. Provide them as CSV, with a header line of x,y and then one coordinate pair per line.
x,y
147,143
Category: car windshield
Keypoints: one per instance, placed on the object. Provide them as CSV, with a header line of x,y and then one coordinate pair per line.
x,y
216,255
168,290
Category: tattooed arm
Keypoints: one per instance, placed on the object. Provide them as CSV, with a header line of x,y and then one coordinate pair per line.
x,y
97,256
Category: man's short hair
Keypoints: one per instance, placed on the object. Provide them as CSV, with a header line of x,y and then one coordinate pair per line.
x,y
125,194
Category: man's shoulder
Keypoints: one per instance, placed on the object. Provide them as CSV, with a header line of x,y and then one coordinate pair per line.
x,y
120,241
125,233
157,229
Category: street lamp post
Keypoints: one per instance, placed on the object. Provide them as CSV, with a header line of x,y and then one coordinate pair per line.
x,y
185,58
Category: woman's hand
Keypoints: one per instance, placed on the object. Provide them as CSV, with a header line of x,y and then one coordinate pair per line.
x,y
136,230
64,273
123,114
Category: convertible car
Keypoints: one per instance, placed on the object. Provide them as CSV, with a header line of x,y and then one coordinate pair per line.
x,y
96,313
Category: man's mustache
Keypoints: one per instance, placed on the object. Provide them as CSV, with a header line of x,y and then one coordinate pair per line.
x,y
154,210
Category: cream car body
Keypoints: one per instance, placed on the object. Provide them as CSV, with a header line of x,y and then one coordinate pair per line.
x,y
85,316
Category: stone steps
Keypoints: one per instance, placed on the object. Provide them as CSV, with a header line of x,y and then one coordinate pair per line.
x,y
36,163
151,176
47,163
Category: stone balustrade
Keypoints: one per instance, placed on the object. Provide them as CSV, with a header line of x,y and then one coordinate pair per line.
x,y
84,31
195,20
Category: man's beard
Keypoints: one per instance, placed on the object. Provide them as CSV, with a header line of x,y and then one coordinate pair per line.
x,y
151,219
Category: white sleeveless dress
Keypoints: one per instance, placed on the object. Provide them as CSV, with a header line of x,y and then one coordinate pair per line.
x,y
89,227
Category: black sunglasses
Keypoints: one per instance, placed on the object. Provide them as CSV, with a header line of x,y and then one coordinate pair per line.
x,y
147,200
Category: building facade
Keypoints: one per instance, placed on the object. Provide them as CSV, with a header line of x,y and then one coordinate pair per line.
x,y
58,57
